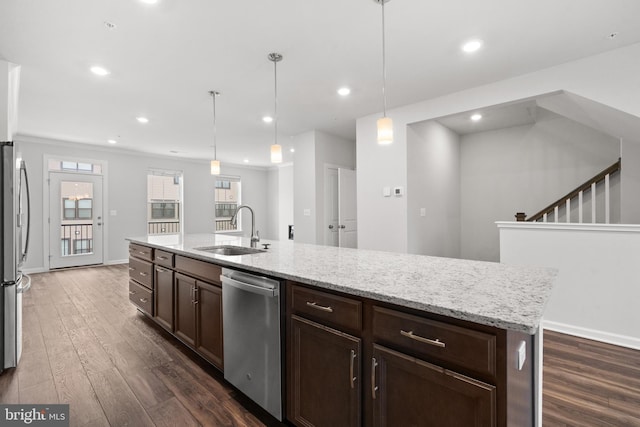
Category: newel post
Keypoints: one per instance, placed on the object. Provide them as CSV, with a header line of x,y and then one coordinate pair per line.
x,y
521,216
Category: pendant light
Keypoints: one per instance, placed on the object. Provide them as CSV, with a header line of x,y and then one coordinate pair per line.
x,y
384,124
276,149
215,163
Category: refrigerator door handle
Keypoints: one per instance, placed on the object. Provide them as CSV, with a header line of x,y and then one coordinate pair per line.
x,y
24,284
23,256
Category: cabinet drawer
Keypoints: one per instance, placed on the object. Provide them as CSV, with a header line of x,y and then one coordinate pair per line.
x,y
327,308
199,269
141,296
163,258
141,272
432,339
139,251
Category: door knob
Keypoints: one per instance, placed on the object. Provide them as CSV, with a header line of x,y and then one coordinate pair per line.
x,y
330,227
342,226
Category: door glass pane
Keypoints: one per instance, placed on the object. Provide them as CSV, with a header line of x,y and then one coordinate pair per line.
x,y
76,227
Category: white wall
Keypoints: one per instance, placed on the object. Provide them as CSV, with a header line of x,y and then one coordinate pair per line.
x,y
597,289
609,78
125,190
524,169
285,200
314,150
9,92
433,184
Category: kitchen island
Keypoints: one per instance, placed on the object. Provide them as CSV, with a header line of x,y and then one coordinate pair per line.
x,y
430,340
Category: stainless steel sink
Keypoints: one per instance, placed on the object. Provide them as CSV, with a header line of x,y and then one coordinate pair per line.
x,y
229,250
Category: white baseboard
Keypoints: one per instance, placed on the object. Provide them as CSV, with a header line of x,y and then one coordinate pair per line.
x,y
592,334
35,270
117,261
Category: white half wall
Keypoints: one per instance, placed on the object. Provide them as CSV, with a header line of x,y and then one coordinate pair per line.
x,y
597,290
433,189
610,78
125,191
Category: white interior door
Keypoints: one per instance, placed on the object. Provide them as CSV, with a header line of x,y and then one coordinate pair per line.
x,y
347,209
75,220
331,206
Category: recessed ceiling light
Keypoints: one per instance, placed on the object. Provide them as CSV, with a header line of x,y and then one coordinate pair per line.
x,y
149,1
472,46
293,150
142,119
267,119
344,91
109,25
612,36
99,71
476,117
112,141
246,160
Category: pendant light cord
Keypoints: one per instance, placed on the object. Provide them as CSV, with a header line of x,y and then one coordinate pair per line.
x,y
275,102
384,67
215,129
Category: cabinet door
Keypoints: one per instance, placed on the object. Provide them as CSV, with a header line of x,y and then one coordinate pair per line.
x,y
185,312
209,310
325,376
410,392
164,297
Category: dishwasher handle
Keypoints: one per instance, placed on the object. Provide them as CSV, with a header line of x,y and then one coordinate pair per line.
x,y
270,292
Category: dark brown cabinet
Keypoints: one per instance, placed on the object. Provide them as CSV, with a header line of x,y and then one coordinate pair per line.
x,y
163,290
185,317
325,375
410,392
141,278
209,322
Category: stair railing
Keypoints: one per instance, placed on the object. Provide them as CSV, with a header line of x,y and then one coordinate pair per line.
x,y
589,185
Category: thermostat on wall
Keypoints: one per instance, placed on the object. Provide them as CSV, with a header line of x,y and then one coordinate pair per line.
x,y
398,191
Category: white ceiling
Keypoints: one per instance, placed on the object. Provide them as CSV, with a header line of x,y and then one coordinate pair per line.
x,y
165,58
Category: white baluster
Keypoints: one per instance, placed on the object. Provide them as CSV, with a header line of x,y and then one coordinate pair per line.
x,y
568,210
555,214
580,207
593,203
607,211
544,218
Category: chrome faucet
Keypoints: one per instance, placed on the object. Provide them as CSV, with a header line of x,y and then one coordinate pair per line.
x,y
255,235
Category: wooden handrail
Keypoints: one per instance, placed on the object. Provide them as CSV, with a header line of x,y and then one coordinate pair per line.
x,y
574,193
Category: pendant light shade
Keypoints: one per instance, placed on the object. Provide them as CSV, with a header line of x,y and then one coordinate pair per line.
x,y
215,163
384,124
215,167
276,153
276,149
385,131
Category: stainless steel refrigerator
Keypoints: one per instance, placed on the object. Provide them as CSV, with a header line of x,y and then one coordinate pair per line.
x,y
14,228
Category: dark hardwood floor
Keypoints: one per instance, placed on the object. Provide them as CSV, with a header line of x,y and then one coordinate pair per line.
x,y
86,345
589,383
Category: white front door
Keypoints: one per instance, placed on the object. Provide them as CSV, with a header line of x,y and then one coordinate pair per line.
x,y
347,209
75,220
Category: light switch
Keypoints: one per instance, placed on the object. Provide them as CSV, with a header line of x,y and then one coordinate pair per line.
x,y
306,212
386,191
423,212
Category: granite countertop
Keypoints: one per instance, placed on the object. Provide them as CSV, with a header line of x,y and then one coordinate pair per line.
x,y
505,296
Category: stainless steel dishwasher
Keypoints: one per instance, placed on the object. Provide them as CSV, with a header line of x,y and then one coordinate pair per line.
x,y
251,330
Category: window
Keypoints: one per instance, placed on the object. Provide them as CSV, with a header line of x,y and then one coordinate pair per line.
x,y
77,209
164,195
65,248
227,200
82,246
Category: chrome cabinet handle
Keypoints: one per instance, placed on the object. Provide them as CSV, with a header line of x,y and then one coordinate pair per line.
x,y
418,338
143,274
160,270
374,388
143,300
164,258
131,268
132,292
352,379
319,307
142,252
